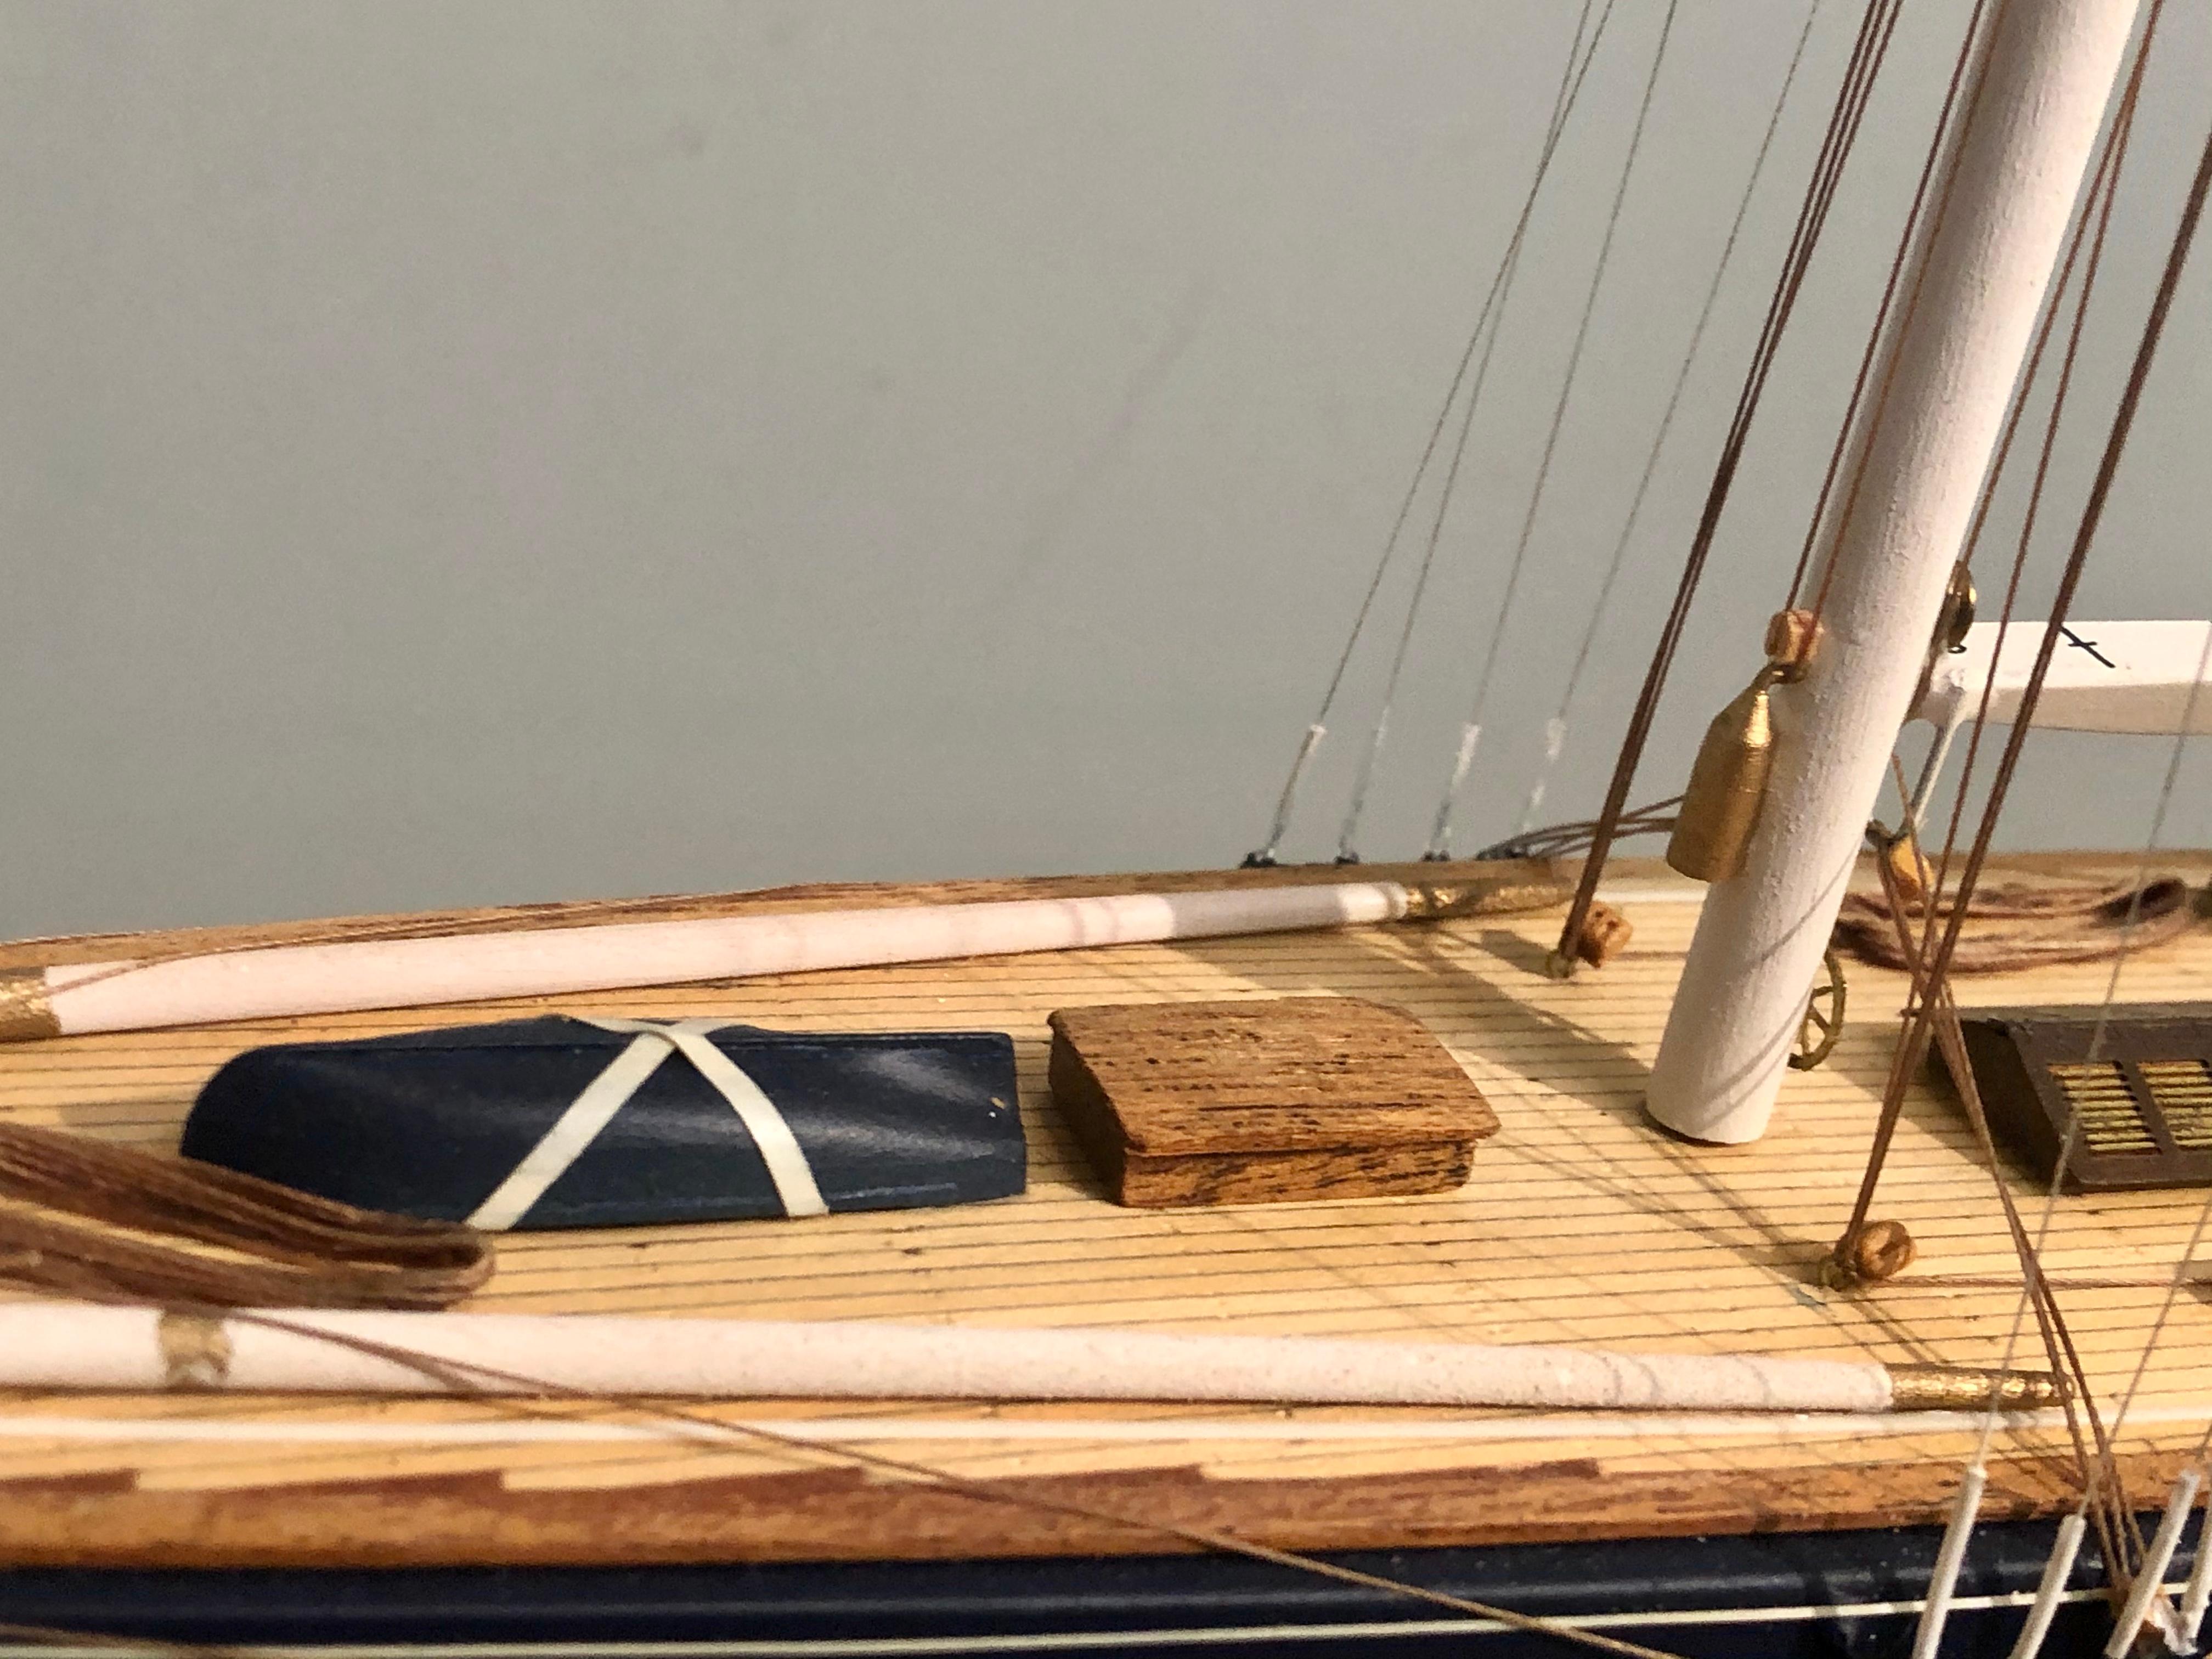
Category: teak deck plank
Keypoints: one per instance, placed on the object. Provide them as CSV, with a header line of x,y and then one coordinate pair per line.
x,y
1580,1223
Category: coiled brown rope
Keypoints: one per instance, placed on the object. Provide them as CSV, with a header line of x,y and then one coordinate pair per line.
x,y
2028,925
271,1246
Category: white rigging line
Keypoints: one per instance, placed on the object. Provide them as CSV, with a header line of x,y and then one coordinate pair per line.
x,y
2069,1543
1555,730
1439,845
1563,100
1346,852
2059,1569
1148,1638
2149,1582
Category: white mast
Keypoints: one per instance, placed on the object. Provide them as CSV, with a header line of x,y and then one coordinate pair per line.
x,y
1978,272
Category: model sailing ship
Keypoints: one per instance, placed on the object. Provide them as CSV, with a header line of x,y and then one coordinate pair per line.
x,y
1228,1271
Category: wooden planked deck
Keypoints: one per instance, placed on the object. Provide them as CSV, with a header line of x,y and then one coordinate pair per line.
x,y
1580,1225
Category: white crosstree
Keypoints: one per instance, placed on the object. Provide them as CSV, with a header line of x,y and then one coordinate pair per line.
x,y
2139,676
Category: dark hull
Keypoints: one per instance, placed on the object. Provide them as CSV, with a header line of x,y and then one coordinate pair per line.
x,y
1775,1597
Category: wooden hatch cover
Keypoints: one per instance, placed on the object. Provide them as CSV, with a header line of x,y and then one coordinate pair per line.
x,y
1252,1102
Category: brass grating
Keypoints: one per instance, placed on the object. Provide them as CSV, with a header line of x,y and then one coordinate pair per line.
x,y
2182,1091
2097,1092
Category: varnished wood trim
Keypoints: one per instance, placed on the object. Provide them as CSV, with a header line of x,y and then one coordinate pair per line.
x,y
841,1517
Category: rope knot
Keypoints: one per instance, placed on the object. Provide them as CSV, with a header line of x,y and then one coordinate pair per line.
x,y
1877,1251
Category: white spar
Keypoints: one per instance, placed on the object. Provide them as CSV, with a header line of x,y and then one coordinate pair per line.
x,y
1978,274
408,973
61,1345
2127,677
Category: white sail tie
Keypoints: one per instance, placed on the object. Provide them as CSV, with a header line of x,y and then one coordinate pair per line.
x,y
1555,740
2150,1581
1581,52
591,1112
1281,826
1347,851
2199,1589
1439,845
1944,1580
2058,1573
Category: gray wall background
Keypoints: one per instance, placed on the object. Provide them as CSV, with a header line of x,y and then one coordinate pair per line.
x,y
471,453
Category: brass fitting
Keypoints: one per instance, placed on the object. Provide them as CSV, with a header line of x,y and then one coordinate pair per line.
x,y
1442,900
1790,635
25,1011
1968,1388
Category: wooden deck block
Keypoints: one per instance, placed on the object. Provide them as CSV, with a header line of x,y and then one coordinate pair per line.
x,y
1264,1101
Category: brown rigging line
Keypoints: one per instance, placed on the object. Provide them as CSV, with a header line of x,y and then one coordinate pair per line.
x,y
2113,150
475,1378
2036,1292
2116,143
1849,424
2096,216
1914,1040
1630,521
2102,1489
2119,1532
1558,841
1876,26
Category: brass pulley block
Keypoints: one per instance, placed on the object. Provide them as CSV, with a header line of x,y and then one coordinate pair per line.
x,y
1727,783
1957,615
1726,787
